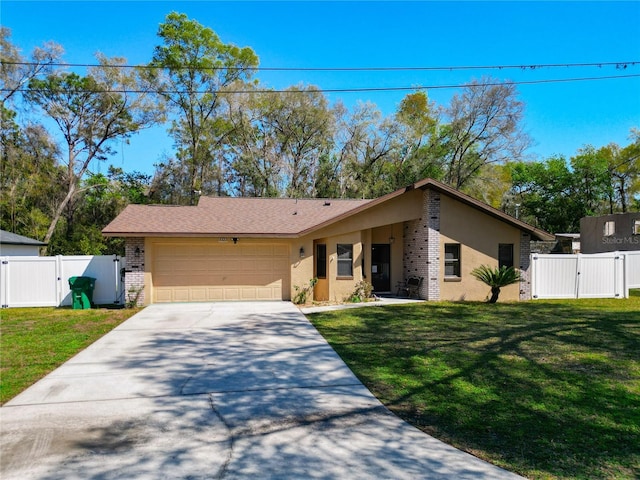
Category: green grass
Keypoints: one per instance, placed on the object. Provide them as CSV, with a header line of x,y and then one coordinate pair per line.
x,y
34,341
546,389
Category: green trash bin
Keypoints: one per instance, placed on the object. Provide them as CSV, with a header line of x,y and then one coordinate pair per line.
x,y
82,292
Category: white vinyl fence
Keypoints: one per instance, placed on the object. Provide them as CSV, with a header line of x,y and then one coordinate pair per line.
x,y
602,275
633,269
44,281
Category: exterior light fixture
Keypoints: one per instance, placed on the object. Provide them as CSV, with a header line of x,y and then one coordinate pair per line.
x,y
136,252
301,252
235,240
392,239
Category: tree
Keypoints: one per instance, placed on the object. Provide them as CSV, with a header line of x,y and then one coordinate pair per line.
x,y
100,198
92,112
198,66
363,143
592,180
16,71
416,153
31,180
623,165
303,127
547,194
492,184
496,278
132,187
170,184
256,164
327,181
484,128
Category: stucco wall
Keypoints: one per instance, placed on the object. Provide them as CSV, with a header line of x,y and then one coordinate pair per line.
x,y
396,210
335,288
479,235
301,267
375,225
594,240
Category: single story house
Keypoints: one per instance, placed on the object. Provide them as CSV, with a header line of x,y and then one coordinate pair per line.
x,y
14,245
267,248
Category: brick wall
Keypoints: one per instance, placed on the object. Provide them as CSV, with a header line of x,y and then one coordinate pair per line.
x,y
421,239
134,273
525,266
432,281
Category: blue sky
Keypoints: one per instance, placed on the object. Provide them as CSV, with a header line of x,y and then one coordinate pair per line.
x,y
560,117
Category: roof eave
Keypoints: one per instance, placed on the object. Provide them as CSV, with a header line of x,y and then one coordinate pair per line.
x,y
26,244
198,235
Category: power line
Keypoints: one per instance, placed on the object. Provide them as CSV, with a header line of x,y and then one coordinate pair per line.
x,y
359,89
617,65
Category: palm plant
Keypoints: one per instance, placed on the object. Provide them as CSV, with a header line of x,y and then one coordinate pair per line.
x,y
496,278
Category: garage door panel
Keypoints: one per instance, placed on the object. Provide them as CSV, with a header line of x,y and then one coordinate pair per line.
x,y
215,293
265,264
281,250
180,295
224,264
213,272
198,294
163,295
248,294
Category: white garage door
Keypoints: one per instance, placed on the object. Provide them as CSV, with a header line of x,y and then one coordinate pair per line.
x,y
214,272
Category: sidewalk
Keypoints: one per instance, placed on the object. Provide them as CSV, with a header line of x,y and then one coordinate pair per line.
x,y
379,301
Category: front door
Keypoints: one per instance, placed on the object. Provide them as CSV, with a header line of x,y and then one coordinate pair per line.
x,y
381,267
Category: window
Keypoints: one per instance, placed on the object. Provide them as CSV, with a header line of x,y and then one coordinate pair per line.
x,y
505,255
345,260
452,260
321,260
609,228
636,227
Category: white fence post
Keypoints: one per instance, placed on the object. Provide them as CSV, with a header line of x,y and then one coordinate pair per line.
x,y
621,276
3,282
577,273
59,279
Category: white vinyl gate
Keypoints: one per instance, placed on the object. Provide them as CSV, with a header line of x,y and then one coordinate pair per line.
x,y
602,275
44,281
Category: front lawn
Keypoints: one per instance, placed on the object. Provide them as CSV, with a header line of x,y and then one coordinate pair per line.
x,y
34,341
546,389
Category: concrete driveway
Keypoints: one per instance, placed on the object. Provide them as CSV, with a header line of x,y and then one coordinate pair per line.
x,y
215,390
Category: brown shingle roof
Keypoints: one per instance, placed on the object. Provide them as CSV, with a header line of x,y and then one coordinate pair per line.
x,y
225,216
271,217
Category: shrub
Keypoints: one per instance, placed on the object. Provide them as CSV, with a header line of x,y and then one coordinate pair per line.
x,y
496,278
303,292
362,291
133,296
